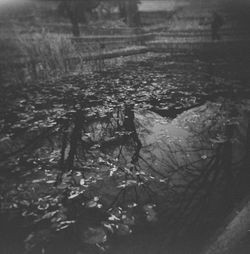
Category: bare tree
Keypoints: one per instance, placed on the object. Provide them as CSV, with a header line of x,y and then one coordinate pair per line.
x,y
128,10
77,11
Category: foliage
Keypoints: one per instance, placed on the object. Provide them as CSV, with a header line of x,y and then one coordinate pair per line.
x,y
78,11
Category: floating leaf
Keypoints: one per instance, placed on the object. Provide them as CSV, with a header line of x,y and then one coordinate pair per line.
x,y
91,204
218,140
49,215
204,157
74,194
101,160
43,206
132,205
128,220
113,170
51,181
95,235
113,218
82,182
38,180
99,205
151,214
62,186
123,229
163,180
109,227
127,183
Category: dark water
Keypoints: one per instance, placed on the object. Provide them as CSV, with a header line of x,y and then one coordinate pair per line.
x,y
150,161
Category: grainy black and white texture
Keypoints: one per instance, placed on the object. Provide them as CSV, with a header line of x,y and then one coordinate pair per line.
x,y
124,127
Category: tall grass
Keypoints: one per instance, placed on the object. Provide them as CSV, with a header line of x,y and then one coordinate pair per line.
x,y
48,52
49,55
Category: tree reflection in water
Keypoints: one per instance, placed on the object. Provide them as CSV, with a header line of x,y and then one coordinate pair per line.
x,y
132,174
193,165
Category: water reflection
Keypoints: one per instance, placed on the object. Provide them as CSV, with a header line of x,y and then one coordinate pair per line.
x,y
124,178
175,178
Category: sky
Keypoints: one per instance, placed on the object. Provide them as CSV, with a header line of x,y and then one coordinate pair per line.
x,y
4,2
9,3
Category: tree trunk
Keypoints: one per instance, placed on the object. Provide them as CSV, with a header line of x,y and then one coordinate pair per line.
x,y
71,11
75,26
122,11
75,139
74,18
133,17
128,11
76,11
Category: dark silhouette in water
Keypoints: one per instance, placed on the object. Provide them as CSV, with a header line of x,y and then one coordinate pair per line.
x,y
216,24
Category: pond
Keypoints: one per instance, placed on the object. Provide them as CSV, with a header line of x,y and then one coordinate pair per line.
x,y
149,158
